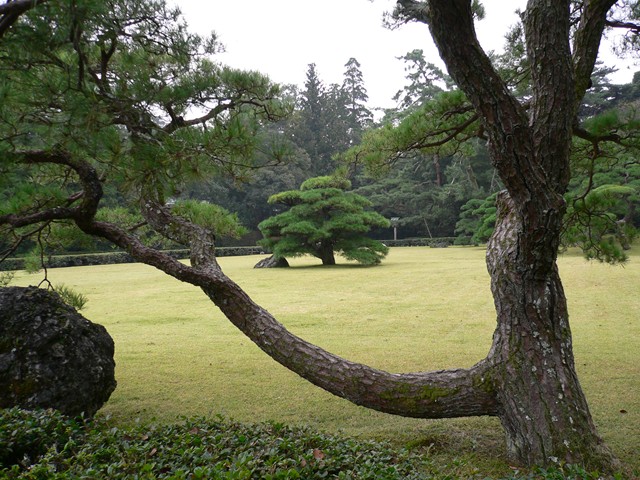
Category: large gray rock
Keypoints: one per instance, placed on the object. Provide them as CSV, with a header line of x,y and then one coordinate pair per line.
x,y
50,355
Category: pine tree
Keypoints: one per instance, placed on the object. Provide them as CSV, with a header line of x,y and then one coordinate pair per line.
x,y
103,94
323,219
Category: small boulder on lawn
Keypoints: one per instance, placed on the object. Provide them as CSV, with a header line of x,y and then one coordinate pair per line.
x,y
272,262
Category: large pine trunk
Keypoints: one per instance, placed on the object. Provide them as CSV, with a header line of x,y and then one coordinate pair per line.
x,y
542,407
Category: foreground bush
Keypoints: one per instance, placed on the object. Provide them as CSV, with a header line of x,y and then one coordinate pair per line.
x,y
46,445
25,436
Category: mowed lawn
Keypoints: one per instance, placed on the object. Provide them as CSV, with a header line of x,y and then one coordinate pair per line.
x,y
422,309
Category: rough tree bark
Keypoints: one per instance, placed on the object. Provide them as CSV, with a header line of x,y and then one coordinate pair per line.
x,y
542,406
528,379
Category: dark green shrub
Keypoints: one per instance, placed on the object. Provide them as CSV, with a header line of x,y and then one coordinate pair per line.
x,y
43,444
421,242
27,435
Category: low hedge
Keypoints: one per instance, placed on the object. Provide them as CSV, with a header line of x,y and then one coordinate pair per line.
x,y
440,242
111,258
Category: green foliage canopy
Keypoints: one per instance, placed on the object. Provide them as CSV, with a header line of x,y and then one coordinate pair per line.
x,y
120,92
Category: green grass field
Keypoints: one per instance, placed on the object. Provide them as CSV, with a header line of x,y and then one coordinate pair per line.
x,y
422,309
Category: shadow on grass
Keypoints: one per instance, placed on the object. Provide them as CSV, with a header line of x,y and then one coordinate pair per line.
x,y
339,266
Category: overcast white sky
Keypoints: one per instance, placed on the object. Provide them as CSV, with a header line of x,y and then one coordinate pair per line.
x,y
282,37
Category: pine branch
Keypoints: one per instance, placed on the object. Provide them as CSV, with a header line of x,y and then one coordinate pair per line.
x,y
11,11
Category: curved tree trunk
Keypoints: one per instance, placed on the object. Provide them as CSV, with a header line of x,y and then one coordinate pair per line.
x,y
438,394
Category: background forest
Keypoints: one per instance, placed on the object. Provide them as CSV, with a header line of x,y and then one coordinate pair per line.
x,y
425,191
433,193
429,191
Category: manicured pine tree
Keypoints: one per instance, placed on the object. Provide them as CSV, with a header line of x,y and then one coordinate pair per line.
x,y
323,219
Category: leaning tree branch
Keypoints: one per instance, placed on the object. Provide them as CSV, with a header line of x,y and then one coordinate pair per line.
x,y
88,203
437,394
450,134
178,122
11,249
440,394
587,43
505,120
630,26
594,139
201,241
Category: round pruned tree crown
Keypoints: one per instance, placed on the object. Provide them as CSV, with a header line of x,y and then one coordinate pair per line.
x,y
323,218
